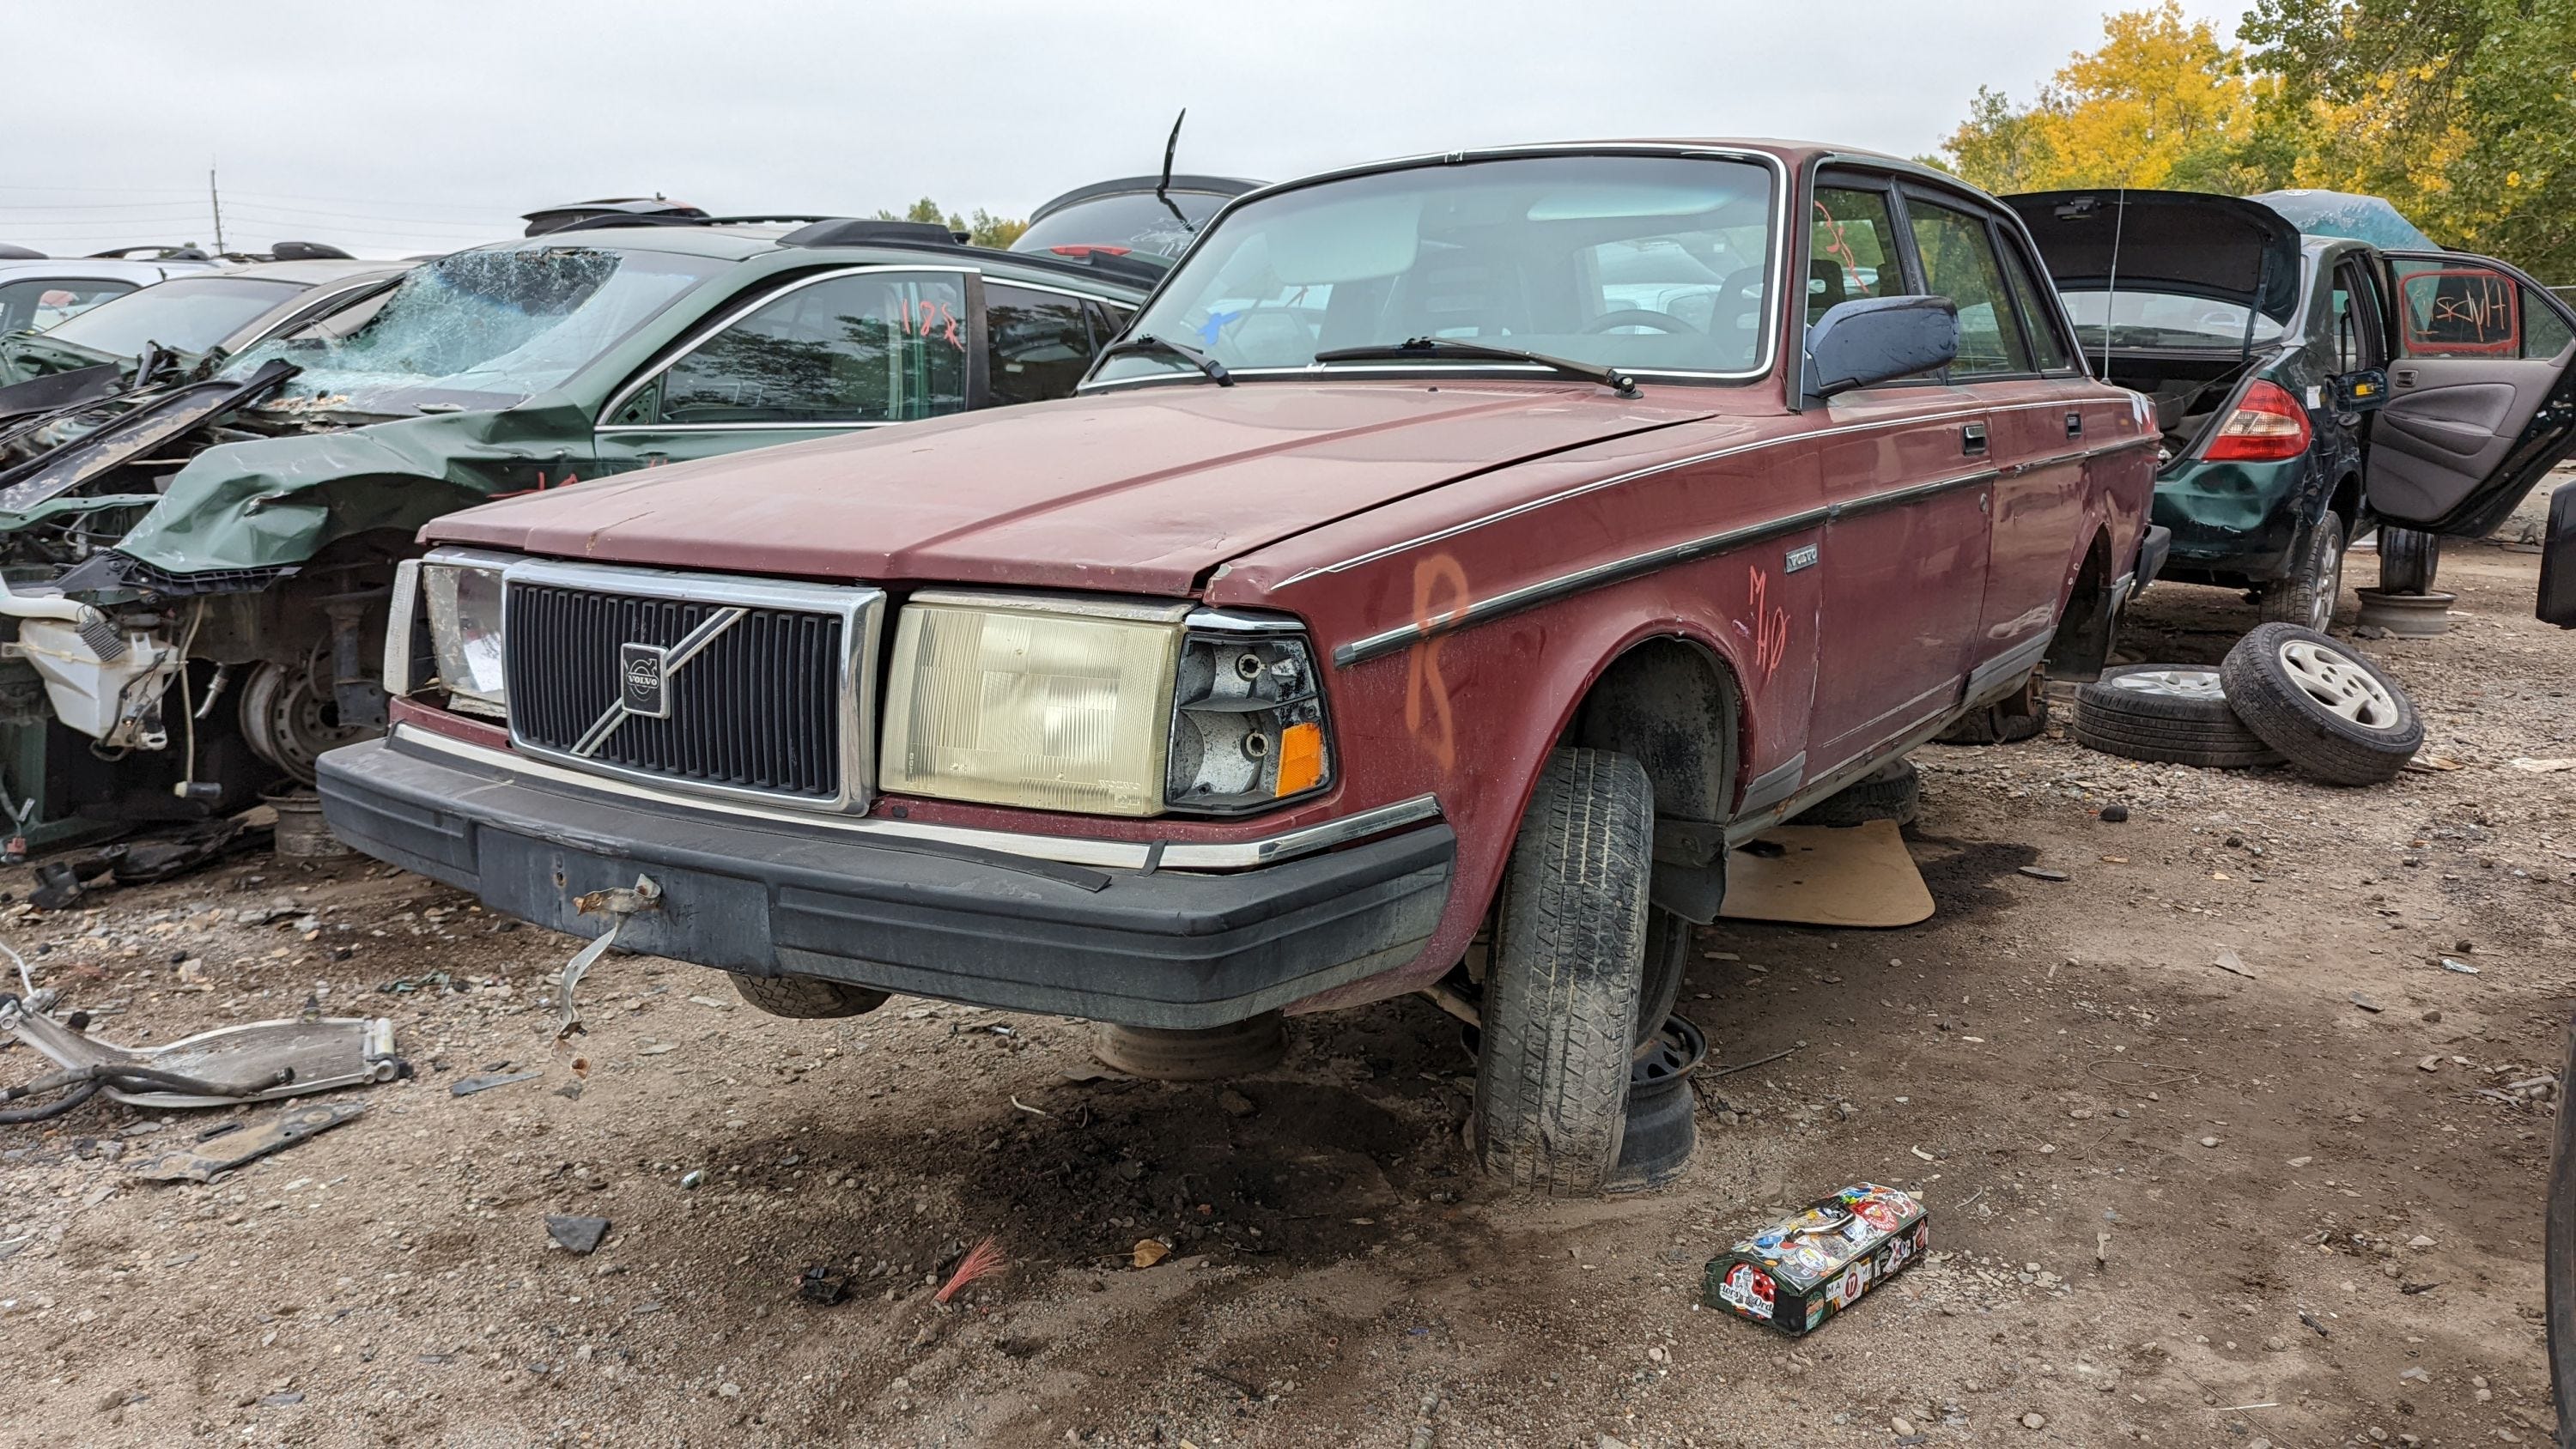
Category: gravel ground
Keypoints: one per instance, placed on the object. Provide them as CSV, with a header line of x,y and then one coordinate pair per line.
x,y
2171,1203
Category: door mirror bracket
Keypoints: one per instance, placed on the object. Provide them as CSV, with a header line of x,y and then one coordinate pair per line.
x,y
1871,340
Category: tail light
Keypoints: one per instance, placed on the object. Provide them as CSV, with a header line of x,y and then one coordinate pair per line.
x,y
2268,426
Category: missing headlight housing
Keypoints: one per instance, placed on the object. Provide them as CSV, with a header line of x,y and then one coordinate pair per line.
x,y
1248,728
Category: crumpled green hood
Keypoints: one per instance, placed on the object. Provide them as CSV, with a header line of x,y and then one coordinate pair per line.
x,y
275,502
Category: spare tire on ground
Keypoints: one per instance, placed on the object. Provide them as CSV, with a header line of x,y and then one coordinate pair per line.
x,y
2175,714
2330,712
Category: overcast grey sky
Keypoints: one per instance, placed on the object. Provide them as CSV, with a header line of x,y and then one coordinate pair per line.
x,y
390,127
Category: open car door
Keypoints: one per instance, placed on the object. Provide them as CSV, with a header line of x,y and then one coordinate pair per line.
x,y
2481,398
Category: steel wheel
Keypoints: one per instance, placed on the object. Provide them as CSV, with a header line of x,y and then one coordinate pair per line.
x,y
290,722
2332,680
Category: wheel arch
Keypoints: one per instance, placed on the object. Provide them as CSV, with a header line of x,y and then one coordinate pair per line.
x,y
2091,618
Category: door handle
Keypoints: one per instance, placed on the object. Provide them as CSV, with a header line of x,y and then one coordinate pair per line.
x,y
1972,440
2403,377
2075,425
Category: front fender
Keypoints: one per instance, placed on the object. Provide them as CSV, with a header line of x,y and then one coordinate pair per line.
x,y
276,502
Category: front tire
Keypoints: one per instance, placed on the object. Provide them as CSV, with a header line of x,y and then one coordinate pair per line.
x,y
1562,997
2308,597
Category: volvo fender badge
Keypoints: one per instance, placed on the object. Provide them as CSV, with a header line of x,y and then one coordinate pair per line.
x,y
643,678
1803,556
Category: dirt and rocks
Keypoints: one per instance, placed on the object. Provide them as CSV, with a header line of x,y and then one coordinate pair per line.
x,y
2293,1202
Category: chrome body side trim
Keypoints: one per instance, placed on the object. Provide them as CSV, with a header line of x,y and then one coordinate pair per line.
x,y
1067,849
860,608
2011,664
1530,596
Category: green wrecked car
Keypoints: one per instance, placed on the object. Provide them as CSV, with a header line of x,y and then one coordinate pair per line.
x,y
195,576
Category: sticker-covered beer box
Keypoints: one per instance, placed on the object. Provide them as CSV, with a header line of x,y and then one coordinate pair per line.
x,y
1796,1274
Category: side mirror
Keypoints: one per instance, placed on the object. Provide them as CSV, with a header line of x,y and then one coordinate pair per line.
x,y
1878,339
2558,561
2365,391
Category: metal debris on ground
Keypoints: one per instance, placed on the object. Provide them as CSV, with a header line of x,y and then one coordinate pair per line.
x,y
579,1234
2229,961
823,1286
1798,1272
255,1061
618,904
2041,872
468,1086
2462,967
274,1134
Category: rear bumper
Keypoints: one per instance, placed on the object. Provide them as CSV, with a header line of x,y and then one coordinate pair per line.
x,y
2239,519
745,893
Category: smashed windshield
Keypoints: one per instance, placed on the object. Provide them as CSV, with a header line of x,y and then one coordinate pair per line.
x,y
2163,319
480,329
186,314
1651,263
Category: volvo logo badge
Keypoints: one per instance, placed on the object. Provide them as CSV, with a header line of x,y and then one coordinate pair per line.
x,y
643,675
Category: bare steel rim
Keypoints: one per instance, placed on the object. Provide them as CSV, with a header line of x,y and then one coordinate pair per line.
x,y
2332,679
2178,683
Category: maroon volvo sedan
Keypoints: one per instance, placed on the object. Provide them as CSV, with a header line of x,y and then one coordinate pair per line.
x,y
1453,559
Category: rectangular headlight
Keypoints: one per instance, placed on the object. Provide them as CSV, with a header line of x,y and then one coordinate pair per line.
x,y
463,594
1052,703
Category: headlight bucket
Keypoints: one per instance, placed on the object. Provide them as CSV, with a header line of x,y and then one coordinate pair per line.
x,y
1248,728
462,592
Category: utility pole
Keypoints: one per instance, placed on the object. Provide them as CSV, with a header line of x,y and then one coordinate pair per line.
x,y
215,199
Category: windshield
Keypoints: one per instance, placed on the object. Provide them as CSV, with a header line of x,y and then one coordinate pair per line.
x,y
188,314
1132,221
2164,319
480,329
1652,263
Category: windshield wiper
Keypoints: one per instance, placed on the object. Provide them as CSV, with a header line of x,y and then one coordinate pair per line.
x,y
1440,347
1148,342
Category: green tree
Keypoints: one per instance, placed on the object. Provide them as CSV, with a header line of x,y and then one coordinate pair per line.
x,y
983,229
2461,112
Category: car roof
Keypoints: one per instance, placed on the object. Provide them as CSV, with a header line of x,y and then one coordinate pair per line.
x,y
743,242
317,271
100,269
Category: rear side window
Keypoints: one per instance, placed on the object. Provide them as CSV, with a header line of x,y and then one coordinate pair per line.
x,y
2459,309
1959,263
2544,332
2045,343
33,306
1041,342
871,348
1853,252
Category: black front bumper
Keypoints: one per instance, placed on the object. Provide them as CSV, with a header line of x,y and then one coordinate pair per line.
x,y
763,897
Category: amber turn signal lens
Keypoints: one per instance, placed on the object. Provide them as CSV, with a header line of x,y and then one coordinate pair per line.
x,y
1301,759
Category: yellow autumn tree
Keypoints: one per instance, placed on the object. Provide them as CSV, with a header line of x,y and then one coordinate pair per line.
x,y
2162,103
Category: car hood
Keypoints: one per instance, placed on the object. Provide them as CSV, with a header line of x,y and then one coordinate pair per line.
x,y
2188,243
1139,491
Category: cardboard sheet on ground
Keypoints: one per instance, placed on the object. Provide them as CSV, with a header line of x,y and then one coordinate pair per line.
x,y
1858,876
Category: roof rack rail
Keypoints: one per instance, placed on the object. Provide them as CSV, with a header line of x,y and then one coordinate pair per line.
x,y
852,231
181,253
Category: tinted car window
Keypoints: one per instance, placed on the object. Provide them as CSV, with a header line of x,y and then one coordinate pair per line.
x,y
1959,263
33,306
2544,332
1041,342
1853,252
2045,343
188,313
1133,222
870,348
